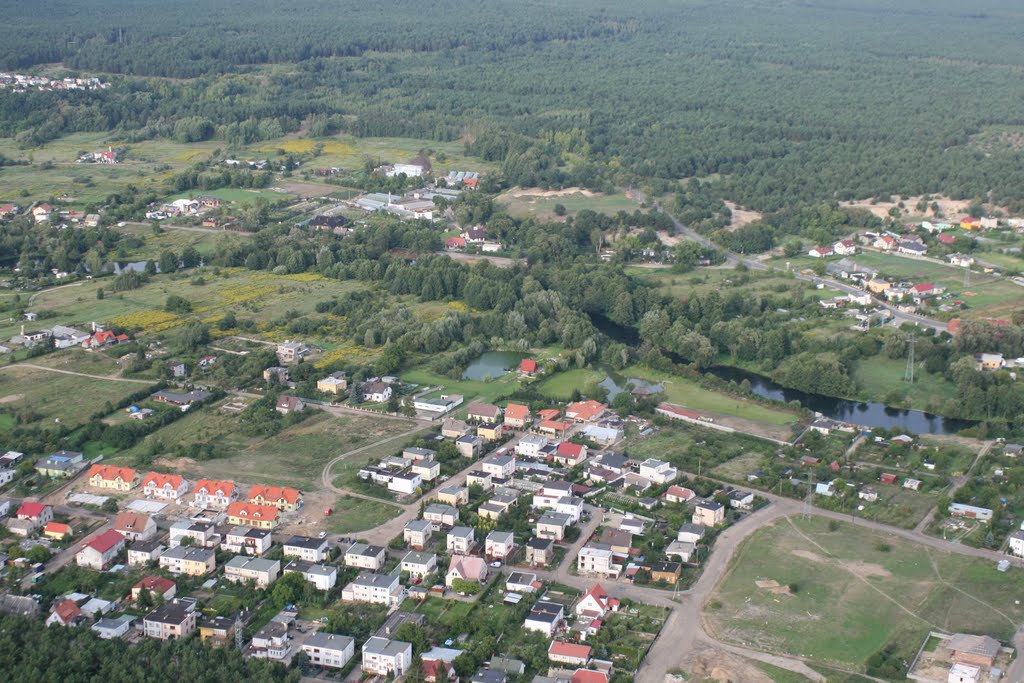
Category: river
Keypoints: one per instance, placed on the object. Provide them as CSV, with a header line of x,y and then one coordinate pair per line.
x,y
868,414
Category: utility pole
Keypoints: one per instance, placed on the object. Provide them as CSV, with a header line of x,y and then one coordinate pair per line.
x,y
908,376
809,496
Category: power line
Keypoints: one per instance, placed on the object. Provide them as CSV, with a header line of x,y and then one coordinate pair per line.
x,y
908,375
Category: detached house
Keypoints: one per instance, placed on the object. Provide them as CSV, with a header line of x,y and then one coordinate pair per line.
x,y
484,412
384,657
376,392
29,517
329,650
465,568
378,589
499,545
112,477
189,561
247,540
517,416
417,533
242,568
100,550
365,556
545,617
322,576
596,603
135,526
305,548
176,620
164,486
708,513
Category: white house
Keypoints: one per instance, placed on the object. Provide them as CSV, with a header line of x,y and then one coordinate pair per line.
x,y
658,472
305,548
499,466
461,540
440,515
329,650
322,576
499,544
419,565
384,657
406,483
1017,543
242,568
365,556
596,559
378,589
545,617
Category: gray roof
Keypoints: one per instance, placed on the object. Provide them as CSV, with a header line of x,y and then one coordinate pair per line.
x,y
305,567
329,641
461,532
419,525
365,550
257,564
183,552
385,646
441,509
419,558
375,580
501,537
306,542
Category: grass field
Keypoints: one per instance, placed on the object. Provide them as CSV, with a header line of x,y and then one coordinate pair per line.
x,y
49,396
879,376
176,240
857,591
232,195
294,457
536,203
481,391
352,515
723,279
686,393
561,385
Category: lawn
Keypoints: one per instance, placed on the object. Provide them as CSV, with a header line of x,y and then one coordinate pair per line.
x,y
486,392
856,591
355,514
561,385
686,393
536,203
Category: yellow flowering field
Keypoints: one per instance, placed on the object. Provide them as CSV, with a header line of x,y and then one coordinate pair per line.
x,y
148,321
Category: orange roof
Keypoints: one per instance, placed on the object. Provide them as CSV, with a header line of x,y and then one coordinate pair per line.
x,y
66,611
528,365
569,650
155,583
252,511
548,413
111,472
56,528
160,480
589,676
213,485
584,410
129,521
275,493
516,411
554,425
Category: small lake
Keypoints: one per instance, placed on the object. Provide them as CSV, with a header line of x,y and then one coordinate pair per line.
x,y
616,384
867,413
492,364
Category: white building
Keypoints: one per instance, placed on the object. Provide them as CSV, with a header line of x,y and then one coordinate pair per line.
x,y
323,576
499,544
378,589
658,472
419,565
365,556
461,540
305,548
596,559
384,657
242,568
329,650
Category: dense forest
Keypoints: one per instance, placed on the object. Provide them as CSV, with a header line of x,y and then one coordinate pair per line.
x,y
776,102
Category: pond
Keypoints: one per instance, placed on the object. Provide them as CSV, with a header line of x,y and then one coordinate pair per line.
x,y
492,364
866,413
616,384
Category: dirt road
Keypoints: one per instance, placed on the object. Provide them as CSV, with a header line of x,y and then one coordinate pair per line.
x,y
111,378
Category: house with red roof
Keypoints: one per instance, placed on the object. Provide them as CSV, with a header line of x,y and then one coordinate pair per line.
x,y
888,478
573,654
56,531
156,585
820,252
103,338
570,454
585,411
29,517
250,514
455,244
42,213
65,613
164,486
100,550
845,247
8,210
135,526
113,477
528,367
679,494
596,603
556,429
517,415
589,676
281,497
214,494
432,669
946,239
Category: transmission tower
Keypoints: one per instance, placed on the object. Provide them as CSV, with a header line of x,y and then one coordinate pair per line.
x,y
908,376
238,632
810,495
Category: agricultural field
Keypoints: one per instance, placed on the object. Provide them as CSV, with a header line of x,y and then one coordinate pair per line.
x,y
540,204
845,592
262,297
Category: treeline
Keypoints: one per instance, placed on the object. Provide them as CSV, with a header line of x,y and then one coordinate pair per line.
x,y
773,107
33,652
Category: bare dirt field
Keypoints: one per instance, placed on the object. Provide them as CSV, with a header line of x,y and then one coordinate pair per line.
x,y
536,192
306,189
741,217
950,208
717,665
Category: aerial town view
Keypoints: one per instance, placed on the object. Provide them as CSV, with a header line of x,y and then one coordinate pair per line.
x,y
516,342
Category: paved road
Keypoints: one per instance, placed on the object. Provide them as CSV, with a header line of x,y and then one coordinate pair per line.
x,y
111,378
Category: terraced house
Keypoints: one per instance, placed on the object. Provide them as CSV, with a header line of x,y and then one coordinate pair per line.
x,y
281,497
113,478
